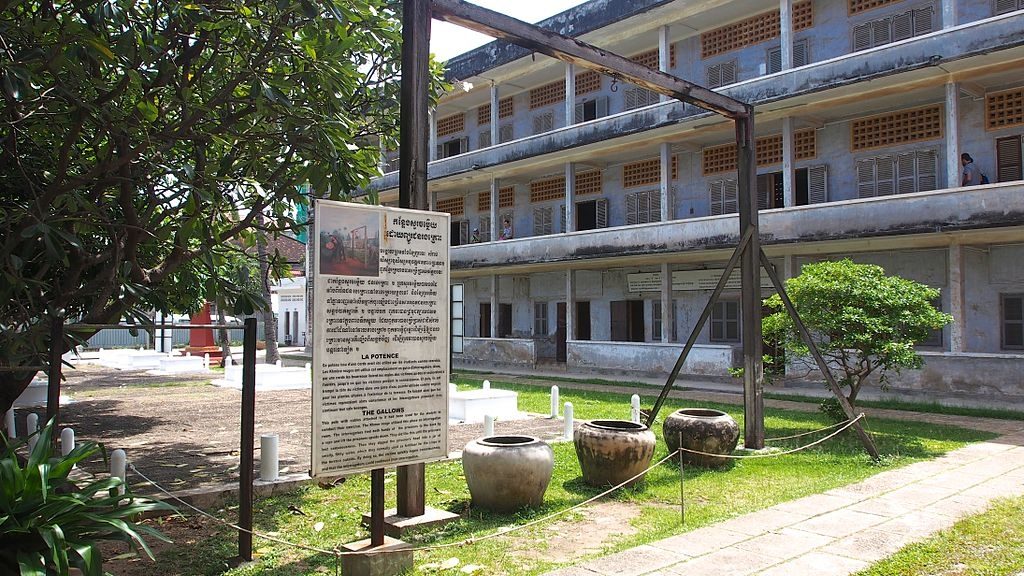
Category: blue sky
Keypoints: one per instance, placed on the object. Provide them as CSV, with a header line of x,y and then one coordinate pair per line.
x,y
448,40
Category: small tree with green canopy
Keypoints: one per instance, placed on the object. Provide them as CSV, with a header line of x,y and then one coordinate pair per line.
x,y
864,322
145,145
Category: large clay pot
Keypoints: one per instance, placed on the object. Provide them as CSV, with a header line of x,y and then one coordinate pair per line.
x,y
613,451
505,473
703,430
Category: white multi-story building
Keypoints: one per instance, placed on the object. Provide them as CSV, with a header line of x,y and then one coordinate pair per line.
x,y
622,203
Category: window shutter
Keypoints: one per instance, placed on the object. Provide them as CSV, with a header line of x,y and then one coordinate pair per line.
x,y
632,208
485,138
881,32
885,181
728,72
865,178
801,55
714,75
1004,6
654,210
602,106
730,198
561,209
774,60
463,145
579,113
903,26
543,123
485,228
862,37
906,175
541,220
763,180
1008,159
817,184
716,191
927,170
601,206
439,152
505,133
923,20
629,98
463,232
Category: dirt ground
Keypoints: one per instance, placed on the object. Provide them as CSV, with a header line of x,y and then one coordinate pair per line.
x,y
184,434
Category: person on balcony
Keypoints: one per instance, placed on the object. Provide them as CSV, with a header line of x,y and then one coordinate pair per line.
x,y
506,230
971,176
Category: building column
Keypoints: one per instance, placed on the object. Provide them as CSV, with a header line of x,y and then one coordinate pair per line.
x,y
664,54
570,197
788,267
495,129
667,311
432,145
666,182
953,168
495,224
432,199
570,305
949,15
494,306
788,172
956,298
570,94
786,32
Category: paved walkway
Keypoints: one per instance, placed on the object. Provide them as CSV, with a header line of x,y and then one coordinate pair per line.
x,y
837,532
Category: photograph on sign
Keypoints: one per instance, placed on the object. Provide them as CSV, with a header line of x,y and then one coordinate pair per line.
x,y
381,338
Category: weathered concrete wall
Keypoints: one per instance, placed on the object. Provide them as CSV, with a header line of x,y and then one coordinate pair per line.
x,y
497,352
976,375
649,358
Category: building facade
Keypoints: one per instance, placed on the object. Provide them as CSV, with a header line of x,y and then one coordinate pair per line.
x,y
620,204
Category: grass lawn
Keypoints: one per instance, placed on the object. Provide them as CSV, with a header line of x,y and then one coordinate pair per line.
x,y
991,543
712,496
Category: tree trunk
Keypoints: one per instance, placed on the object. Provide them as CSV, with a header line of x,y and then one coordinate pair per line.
x,y
269,320
222,335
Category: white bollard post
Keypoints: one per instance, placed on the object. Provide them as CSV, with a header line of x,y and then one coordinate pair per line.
x,y
308,366
206,361
31,426
634,408
118,464
488,426
278,363
12,430
268,457
452,389
188,354
227,363
567,432
487,384
142,349
554,401
67,441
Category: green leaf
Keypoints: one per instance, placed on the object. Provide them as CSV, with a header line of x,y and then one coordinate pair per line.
x,y
148,110
101,47
31,564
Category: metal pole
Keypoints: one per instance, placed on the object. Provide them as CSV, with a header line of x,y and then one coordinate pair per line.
x,y
53,386
412,184
750,280
245,475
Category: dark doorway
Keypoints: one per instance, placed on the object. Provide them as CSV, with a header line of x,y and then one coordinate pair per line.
x,y
456,237
504,320
586,215
627,318
560,334
485,320
582,321
770,191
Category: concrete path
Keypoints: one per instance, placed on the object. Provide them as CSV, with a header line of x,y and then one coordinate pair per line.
x,y
837,532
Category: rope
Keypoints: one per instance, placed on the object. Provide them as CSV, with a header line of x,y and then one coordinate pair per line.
x,y
501,532
805,433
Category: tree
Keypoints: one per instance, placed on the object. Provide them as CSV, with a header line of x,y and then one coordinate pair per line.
x,y
863,322
141,141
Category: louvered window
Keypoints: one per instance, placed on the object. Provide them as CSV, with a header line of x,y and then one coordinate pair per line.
x,y
800,57
592,109
1004,6
890,29
724,197
453,148
643,207
505,133
721,74
1012,320
540,318
901,173
485,228
636,97
1008,159
542,220
484,139
544,122
817,184
725,321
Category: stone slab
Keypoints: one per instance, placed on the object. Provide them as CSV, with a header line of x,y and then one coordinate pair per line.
x,y
729,561
635,561
819,564
397,526
840,523
785,544
390,559
700,541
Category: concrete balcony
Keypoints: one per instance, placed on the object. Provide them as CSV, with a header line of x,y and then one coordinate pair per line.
x,y
980,214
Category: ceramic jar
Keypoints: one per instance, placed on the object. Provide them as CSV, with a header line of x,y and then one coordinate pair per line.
x,y
505,473
703,430
613,451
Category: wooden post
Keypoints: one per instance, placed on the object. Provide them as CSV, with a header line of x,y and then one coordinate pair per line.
x,y
245,467
750,280
412,183
54,369
376,507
